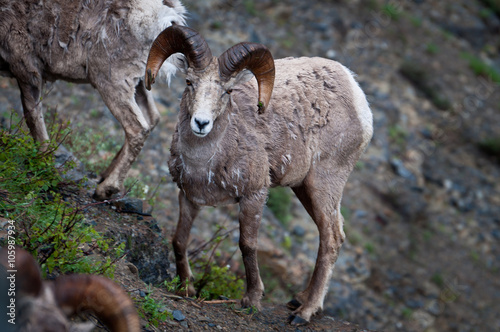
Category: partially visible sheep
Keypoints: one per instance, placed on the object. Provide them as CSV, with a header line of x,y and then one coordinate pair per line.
x,y
316,125
101,42
45,306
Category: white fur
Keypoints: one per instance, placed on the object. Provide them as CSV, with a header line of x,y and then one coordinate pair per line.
x,y
361,106
150,17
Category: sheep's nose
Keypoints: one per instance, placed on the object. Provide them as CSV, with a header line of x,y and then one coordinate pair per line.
x,y
201,123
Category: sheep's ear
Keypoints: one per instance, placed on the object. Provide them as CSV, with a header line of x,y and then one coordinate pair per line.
x,y
180,61
243,76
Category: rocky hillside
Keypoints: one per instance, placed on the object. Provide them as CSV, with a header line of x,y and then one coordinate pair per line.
x,y
422,207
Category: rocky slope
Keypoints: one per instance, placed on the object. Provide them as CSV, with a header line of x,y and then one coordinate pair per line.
x,y
422,206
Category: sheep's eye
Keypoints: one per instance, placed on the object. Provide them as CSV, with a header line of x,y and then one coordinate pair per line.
x,y
188,83
228,91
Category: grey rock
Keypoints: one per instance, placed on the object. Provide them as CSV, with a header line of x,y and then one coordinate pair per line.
x,y
129,204
178,316
298,231
400,169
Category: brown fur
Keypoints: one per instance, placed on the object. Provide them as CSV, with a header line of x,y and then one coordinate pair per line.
x,y
101,42
315,128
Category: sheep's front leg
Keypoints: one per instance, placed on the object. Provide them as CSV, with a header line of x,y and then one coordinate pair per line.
x,y
30,97
187,212
250,217
137,122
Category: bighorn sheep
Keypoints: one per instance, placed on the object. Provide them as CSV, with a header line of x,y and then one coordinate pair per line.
x,y
46,305
101,42
313,130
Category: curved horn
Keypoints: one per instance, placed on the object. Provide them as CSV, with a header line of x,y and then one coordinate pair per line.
x,y
177,39
102,296
256,58
28,276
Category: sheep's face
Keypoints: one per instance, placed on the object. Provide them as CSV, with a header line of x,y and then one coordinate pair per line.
x,y
207,96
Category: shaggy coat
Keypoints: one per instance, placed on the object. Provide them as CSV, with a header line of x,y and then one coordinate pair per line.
x,y
235,138
101,42
316,126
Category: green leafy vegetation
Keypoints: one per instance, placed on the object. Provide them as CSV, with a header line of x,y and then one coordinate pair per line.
x,y
280,202
392,11
94,149
438,279
398,135
34,193
250,7
216,281
490,146
407,312
481,68
432,48
492,5
212,275
152,310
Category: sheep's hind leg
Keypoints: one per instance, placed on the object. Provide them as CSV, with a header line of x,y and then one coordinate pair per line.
x,y
322,201
250,217
187,212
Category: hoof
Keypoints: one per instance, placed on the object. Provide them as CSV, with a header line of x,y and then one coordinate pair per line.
x,y
102,193
297,321
248,302
293,304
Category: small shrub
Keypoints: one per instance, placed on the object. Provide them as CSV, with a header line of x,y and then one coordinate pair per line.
x,y
250,7
392,11
152,310
218,281
481,68
280,202
438,279
398,135
94,150
492,5
490,146
47,225
432,48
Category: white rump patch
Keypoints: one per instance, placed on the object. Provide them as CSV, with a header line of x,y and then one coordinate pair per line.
x,y
362,108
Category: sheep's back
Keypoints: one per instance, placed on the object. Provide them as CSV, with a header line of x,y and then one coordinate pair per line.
x,y
80,40
317,115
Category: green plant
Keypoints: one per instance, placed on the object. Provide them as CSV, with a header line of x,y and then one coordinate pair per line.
x,y
152,310
490,146
94,149
432,48
216,281
416,21
370,248
407,312
398,135
33,195
280,202
492,5
392,11
287,242
438,279
250,7
481,68
212,279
